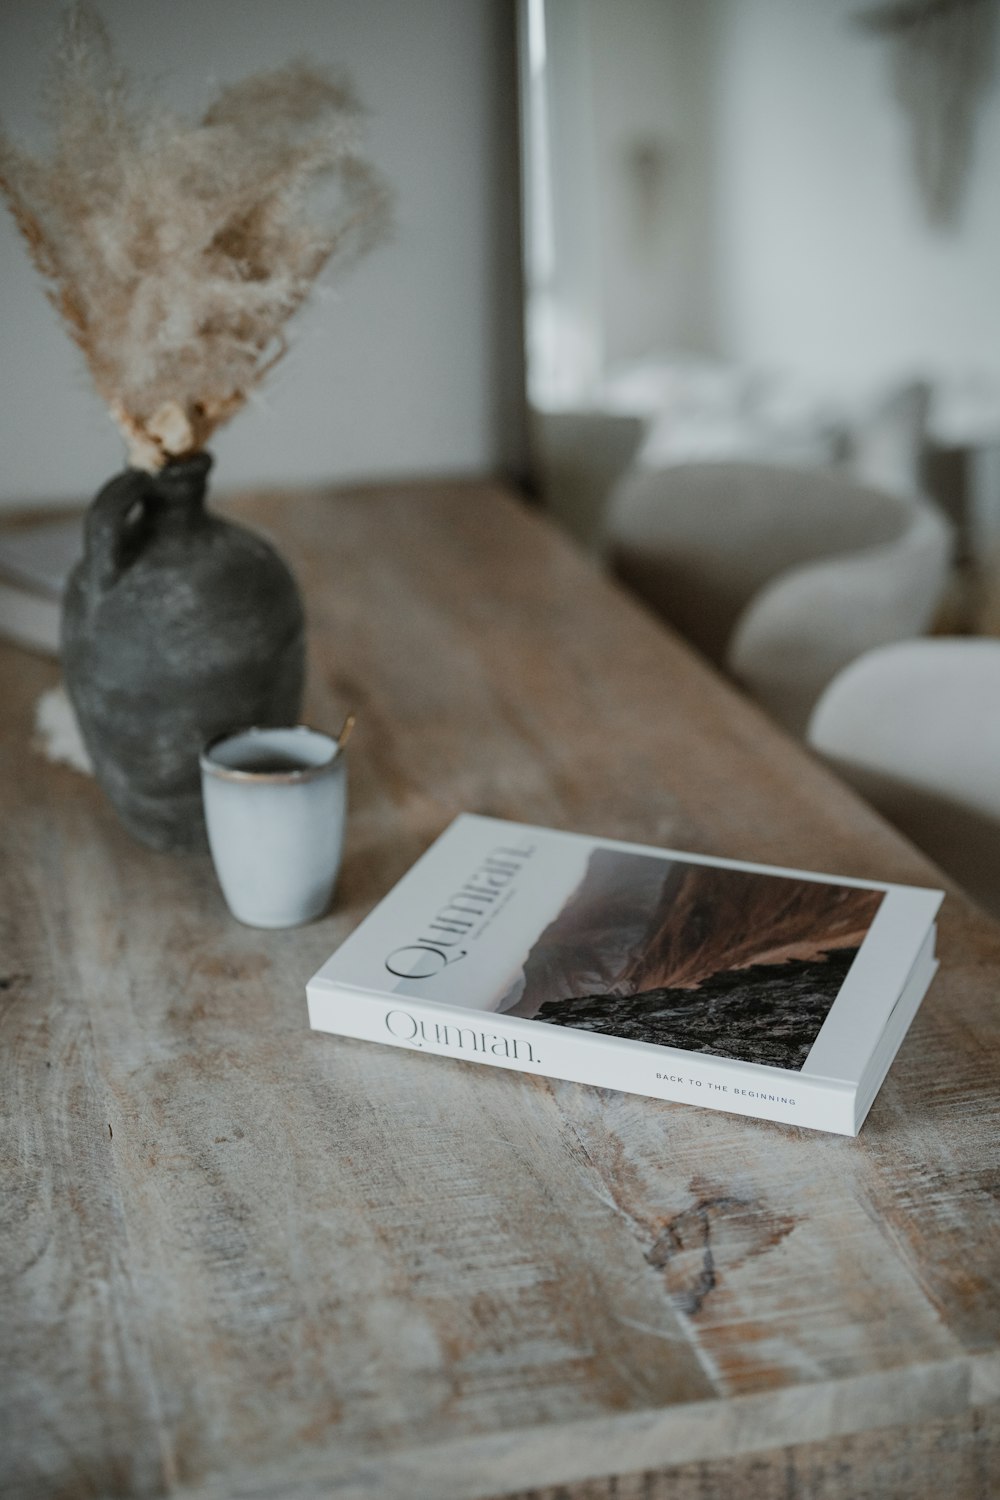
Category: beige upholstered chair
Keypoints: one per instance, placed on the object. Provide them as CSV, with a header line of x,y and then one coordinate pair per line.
x,y
915,727
780,575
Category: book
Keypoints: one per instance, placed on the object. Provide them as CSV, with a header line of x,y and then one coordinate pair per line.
x,y
775,993
35,563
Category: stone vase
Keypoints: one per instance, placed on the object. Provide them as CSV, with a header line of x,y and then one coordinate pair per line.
x,y
177,626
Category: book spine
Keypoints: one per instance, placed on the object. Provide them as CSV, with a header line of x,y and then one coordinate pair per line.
x,y
582,1057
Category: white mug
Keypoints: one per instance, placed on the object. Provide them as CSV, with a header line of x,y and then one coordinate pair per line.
x,y
275,803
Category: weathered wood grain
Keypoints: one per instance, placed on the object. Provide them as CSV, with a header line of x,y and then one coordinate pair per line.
x,y
957,1457
243,1259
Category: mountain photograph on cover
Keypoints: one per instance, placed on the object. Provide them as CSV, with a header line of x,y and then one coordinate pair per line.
x,y
728,962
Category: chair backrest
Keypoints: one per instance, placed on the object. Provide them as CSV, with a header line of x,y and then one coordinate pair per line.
x,y
929,710
807,624
698,541
915,727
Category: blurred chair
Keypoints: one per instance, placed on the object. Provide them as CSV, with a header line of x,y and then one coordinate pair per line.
x,y
580,455
780,575
915,727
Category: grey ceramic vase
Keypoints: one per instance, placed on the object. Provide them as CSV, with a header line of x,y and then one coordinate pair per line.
x,y
177,625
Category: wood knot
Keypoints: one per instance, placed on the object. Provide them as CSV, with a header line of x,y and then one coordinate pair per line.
x,y
715,1235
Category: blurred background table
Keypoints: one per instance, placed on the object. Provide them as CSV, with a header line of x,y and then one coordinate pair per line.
x,y
241,1259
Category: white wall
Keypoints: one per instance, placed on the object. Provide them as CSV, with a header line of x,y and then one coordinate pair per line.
x,y
562,207
826,263
414,365
619,142
650,61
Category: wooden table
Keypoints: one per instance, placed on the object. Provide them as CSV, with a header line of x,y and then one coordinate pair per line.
x,y
242,1259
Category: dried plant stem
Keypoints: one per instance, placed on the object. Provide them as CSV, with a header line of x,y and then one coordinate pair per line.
x,y
177,251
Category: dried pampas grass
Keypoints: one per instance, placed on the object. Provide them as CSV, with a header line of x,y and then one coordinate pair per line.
x,y
177,251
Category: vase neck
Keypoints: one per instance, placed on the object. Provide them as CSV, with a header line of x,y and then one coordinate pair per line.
x,y
176,495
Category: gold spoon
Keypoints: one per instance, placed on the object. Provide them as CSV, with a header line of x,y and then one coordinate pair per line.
x,y
347,729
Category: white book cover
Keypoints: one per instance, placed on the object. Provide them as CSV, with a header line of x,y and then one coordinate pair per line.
x,y
777,993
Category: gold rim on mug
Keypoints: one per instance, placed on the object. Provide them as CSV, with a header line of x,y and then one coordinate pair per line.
x,y
305,773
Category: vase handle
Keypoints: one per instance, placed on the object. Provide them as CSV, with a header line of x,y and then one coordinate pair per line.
x,y
104,529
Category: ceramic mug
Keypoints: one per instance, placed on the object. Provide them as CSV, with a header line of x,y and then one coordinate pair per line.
x,y
275,802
